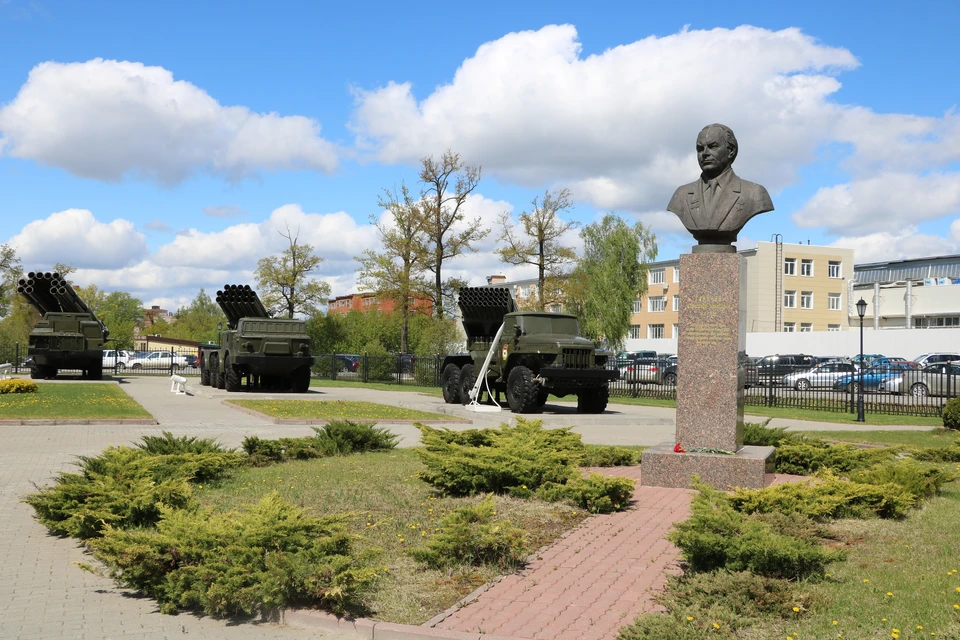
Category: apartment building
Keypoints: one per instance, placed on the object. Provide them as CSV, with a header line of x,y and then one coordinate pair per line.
x,y
370,302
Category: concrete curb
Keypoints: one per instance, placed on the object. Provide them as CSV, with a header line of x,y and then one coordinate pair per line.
x,y
364,629
75,421
308,421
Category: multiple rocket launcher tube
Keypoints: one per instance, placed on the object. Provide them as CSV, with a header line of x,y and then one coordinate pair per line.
x,y
50,292
240,301
483,308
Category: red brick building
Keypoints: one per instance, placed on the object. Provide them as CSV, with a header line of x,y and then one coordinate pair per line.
x,y
370,302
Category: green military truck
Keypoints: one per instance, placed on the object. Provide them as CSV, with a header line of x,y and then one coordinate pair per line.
x,y
526,354
271,354
69,335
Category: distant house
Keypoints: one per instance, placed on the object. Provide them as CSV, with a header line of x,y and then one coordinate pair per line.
x,y
155,314
160,343
370,302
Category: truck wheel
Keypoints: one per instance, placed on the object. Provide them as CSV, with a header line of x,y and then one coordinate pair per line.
x,y
221,378
542,395
301,380
593,400
36,373
450,383
522,390
204,377
95,371
467,380
232,376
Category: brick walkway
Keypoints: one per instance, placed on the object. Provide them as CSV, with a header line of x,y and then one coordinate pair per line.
x,y
592,582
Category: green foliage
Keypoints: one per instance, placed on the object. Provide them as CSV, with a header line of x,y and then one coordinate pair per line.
x,y
806,458
493,460
16,385
119,311
916,478
760,435
951,413
196,321
284,281
717,536
122,488
272,555
595,455
343,437
169,444
733,600
938,454
377,363
829,497
596,494
471,535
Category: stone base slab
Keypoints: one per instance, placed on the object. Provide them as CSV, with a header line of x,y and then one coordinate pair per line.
x,y
747,468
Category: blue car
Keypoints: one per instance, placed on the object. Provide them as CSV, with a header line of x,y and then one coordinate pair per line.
x,y
873,377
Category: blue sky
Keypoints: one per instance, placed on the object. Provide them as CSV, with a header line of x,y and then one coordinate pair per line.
x,y
159,147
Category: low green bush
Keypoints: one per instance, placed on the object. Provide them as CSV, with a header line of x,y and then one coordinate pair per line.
x,y
758,434
717,536
951,413
806,458
167,443
337,437
938,454
829,497
596,455
377,363
272,555
921,480
124,487
471,535
16,385
596,494
494,460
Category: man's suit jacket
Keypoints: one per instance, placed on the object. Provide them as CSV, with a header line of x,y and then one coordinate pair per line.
x,y
738,201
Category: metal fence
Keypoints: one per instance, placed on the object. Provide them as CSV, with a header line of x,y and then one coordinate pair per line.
x,y
182,361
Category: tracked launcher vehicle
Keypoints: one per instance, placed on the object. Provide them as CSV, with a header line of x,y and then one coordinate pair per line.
x,y
69,335
527,355
272,354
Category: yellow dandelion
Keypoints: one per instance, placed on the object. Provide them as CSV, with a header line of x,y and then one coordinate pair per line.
x,y
796,609
889,594
835,622
690,618
865,580
716,625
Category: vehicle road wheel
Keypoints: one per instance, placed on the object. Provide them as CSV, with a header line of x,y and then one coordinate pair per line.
x,y
450,383
542,395
232,382
95,371
36,373
467,380
204,377
670,379
136,366
522,390
593,400
221,378
51,373
802,385
301,380
121,366
919,390
853,387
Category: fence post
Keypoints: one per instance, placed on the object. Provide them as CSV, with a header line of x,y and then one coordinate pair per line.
x,y
334,363
366,367
171,360
17,360
770,398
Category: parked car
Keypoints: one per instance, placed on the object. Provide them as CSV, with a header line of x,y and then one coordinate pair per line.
x,y
626,357
937,356
647,371
771,369
157,361
191,359
113,358
348,362
931,380
868,358
873,376
822,375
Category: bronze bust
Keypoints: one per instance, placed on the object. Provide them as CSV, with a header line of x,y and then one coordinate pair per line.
x,y
715,207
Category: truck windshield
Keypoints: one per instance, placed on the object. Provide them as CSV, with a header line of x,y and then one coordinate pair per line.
x,y
549,324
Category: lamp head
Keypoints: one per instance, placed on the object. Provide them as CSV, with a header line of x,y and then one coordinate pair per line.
x,y
861,307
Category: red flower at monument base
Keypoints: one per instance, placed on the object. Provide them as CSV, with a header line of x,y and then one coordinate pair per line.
x,y
679,449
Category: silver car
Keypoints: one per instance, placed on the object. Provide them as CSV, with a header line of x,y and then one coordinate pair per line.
x,y
822,375
931,380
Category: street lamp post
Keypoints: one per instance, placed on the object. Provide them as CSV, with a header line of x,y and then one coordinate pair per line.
x,y
861,310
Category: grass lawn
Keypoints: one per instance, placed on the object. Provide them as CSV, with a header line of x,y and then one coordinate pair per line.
x,y
337,410
391,511
932,438
54,400
379,386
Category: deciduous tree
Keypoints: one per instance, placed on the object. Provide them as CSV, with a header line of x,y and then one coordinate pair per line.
x,y
9,274
538,243
284,283
609,277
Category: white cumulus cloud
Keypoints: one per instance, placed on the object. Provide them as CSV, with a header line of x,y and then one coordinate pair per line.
x,y
113,120
904,244
76,238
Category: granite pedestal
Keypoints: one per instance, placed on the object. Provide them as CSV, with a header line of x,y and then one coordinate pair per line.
x,y
709,383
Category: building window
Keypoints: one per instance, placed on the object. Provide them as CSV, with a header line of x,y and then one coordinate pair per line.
x,y
676,330
833,301
789,266
654,330
789,327
676,273
806,299
657,303
833,327
556,308
637,306
634,332
656,276
935,323
806,327
806,268
833,269
676,303
790,299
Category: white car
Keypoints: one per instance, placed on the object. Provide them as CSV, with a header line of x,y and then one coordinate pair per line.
x,y
822,375
158,360
113,358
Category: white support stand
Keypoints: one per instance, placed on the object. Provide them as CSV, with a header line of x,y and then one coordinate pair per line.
x,y
178,385
473,405
5,371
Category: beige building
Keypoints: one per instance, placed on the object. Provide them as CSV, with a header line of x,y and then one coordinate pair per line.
x,y
789,287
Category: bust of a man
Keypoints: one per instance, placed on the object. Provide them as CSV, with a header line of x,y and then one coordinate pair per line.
x,y
715,207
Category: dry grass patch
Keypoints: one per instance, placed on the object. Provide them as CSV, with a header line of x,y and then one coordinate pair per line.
x,y
337,410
